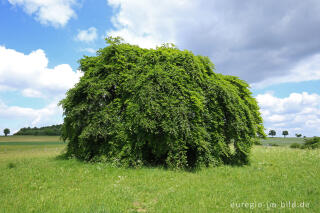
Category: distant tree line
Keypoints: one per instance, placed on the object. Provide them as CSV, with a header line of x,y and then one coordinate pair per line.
x,y
272,133
47,130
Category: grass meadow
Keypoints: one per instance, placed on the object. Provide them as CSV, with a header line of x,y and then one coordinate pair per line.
x,y
34,179
281,141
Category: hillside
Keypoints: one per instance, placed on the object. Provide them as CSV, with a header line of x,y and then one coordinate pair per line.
x,y
47,130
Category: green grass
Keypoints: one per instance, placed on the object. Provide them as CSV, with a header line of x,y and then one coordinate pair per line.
x,y
282,141
30,140
27,138
29,143
33,179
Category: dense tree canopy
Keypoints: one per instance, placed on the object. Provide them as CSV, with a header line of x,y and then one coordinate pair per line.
x,y
285,133
311,143
162,106
272,133
6,131
46,130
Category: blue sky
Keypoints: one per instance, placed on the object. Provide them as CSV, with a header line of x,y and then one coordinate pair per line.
x,y
274,46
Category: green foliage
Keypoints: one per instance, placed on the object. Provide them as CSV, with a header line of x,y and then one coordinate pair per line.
x,y
47,130
311,143
6,131
257,141
11,165
285,133
160,106
272,133
298,135
295,145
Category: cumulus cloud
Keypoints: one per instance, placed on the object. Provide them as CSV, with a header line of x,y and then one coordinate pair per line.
x,y
88,35
23,116
53,12
29,73
306,70
140,22
253,39
89,50
297,113
31,93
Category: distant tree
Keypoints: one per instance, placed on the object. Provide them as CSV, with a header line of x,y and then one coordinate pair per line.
x,y
285,133
6,131
298,135
272,133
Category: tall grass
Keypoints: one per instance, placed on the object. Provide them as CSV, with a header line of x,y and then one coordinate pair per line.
x,y
282,141
35,180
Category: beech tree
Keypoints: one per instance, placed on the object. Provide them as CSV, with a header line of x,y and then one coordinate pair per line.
x,y
272,133
162,106
6,131
285,133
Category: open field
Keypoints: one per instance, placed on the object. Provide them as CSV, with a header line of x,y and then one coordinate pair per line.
x,y
281,141
30,139
33,179
17,147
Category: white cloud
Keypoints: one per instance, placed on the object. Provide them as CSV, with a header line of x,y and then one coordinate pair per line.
x,y
306,70
276,118
24,116
143,23
297,113
259,41
88,35
54,12
89,50
29,73
31,93
5,88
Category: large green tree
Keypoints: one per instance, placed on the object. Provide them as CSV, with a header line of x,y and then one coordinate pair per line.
x,y
6,131
162,106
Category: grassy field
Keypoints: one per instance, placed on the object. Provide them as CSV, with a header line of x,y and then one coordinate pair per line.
x,y
33,179
17,147
33,139
281,141
26,140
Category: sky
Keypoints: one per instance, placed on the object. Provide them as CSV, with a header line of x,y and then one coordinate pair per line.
x,y
273,45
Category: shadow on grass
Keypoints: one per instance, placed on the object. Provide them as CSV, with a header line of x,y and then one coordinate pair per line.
x,y
61,157
11,165
65,157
